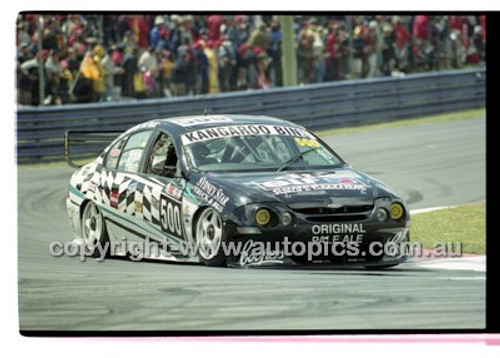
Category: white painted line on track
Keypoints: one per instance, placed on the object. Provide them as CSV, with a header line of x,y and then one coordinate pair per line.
x,y
476,263
428,210
446,278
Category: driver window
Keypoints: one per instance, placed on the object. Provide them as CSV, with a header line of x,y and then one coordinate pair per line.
x,y
162,155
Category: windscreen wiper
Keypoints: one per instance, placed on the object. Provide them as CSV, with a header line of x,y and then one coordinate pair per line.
x,y
296,158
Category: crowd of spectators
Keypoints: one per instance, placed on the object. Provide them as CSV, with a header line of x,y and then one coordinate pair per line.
x,y
91,58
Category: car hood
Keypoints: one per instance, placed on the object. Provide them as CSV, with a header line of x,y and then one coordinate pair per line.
x,y
301,188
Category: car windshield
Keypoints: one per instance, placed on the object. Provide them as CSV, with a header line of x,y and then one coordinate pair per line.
x,y
257,150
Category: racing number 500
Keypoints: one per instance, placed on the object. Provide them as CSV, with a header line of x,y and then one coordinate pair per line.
x,y
170,214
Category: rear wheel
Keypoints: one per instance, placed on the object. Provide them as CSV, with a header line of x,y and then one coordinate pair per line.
x,y
209,238
93,230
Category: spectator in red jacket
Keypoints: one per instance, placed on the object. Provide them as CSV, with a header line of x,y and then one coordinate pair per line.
x,y
421,27
403,38
140,29
214,23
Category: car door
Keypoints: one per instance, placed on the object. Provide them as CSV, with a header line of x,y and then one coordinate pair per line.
x,y
163,193
121,190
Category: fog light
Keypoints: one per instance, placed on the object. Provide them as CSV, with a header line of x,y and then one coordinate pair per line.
x,y
286,218
397,211
381,214
262,217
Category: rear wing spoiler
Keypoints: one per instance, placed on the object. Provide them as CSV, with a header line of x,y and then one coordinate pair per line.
x,y
88,142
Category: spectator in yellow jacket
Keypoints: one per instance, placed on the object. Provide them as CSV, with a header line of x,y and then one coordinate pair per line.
x,y
213,81
92,69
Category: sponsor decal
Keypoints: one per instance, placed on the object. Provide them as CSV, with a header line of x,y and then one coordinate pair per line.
x,y
256,254
334,204
138,207
188,209
173,191
318,187
113,199
334,233
297,183
313,143
237,131
306,142
325,153
211,193
115,152
187,122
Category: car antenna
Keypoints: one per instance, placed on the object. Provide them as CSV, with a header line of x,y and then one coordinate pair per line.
x,y
205,111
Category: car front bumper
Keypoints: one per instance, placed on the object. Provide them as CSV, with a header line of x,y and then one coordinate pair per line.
x,y
366,243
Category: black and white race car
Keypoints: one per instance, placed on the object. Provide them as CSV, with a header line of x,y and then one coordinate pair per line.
x,y
234,190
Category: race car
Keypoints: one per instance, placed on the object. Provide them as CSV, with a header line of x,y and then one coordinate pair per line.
x,y
233,190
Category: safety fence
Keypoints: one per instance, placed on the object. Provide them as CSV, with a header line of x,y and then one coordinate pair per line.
x,y
40,129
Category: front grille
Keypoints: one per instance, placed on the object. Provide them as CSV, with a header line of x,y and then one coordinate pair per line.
x,y
335,211
335,218
342,214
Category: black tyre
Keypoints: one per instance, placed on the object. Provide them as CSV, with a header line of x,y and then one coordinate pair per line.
x,y
380,267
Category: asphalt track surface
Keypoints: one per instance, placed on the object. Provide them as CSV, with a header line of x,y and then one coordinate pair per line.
x,y
430,164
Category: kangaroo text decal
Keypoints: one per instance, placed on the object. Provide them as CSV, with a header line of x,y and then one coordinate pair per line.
x,y
237,131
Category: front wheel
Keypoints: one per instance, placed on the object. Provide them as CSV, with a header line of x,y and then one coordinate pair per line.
x,y
93,230
209,238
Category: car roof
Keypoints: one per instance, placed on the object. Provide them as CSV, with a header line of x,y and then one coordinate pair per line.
x,y
186,124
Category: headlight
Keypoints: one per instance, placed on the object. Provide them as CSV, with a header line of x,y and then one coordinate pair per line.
x,y
381,214
286,218
397,211
262,217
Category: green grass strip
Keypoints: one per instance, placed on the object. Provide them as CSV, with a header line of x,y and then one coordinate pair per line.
x,y
465,224
363,127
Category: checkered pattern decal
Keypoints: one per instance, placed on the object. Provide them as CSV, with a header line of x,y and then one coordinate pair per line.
x,y
128,193
146,199
136,196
